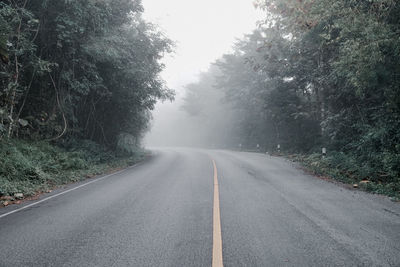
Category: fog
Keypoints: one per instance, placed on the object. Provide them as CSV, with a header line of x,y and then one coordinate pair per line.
x,y
203,31
278,79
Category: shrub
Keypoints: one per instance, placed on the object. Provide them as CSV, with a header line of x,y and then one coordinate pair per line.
x,y
29,167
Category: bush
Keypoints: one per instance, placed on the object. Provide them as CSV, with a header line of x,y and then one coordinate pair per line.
x,y
90,151
30,167
382,172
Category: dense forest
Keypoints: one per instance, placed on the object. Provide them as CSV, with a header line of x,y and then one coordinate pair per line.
x,y
83,76
78,80
78,69
314,74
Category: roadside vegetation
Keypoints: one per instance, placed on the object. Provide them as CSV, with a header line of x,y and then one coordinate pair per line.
x,y
30,168
346,169
314,74
78,80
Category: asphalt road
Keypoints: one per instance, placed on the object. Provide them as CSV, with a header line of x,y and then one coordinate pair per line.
x,y
160,213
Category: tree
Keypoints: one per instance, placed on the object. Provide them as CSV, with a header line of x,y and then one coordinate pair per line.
x,y
80,69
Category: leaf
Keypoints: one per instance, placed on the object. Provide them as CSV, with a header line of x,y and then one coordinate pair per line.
x,y
4,74
23,122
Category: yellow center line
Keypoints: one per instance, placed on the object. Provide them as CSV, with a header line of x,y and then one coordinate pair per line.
x,y
217,235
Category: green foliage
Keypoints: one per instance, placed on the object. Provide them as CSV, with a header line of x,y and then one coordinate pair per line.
x,y
29,167
319,74
79,69
350,169
81,74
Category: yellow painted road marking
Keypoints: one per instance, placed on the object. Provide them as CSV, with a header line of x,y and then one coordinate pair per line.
x,y
217,235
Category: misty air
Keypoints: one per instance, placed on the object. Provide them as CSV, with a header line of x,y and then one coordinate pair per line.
x,y
199,133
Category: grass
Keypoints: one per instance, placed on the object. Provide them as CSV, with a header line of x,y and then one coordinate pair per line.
x,y
347,169
31,168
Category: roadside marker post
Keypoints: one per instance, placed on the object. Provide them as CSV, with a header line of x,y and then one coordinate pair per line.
x,y
323,152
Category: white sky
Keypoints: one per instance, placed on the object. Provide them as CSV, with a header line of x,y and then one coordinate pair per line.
x,y
203,31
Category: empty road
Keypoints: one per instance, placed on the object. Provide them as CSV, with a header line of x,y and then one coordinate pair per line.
x,y
179,209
